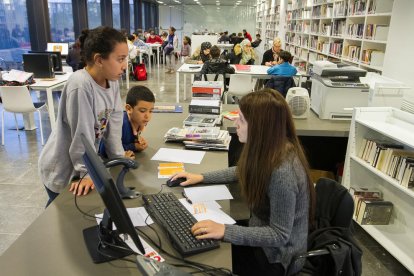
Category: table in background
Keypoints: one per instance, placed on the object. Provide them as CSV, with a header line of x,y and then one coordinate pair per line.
x,y
157,46
49,86
185,69
53,244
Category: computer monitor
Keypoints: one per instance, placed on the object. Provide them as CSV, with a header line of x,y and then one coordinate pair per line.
x,y
63,48
115,211
56,58
40,64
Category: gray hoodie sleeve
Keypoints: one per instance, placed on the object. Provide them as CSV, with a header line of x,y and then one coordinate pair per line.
x,y
220,177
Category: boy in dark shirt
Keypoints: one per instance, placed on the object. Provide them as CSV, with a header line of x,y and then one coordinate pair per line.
x,y
138,112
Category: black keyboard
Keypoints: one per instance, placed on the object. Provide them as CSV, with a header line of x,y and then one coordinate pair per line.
x,y
167,211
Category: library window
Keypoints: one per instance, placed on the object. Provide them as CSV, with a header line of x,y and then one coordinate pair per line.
x,y
14,33
116,14
131,16
61,20
94,13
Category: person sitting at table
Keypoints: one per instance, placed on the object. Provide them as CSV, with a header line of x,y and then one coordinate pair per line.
x,y
90,105
201,54
153,38
283,68
271,56
242,53
138,112
224,37
274,177
257,42
216,65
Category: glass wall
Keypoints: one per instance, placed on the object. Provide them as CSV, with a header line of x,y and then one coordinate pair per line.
x,y
61,20
94,13
131,16
116,14
14,33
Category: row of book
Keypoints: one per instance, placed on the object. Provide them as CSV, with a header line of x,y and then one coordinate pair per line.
x,y
373,57
377,32
206,138
357,7
335,48
390,159
355,30
352,52
369,206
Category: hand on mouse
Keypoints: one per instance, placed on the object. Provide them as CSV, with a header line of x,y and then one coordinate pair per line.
x,y
192,178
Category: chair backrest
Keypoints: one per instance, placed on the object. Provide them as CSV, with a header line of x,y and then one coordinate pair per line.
x,y
281,84
334,204
17,99
240,84
212,77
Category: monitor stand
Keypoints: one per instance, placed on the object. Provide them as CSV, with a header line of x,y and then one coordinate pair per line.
x,y
99,252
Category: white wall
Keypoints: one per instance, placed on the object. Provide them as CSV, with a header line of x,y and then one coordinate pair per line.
x,y
399,55
191,18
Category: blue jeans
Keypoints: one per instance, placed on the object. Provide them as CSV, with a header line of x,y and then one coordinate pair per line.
x,y
52,196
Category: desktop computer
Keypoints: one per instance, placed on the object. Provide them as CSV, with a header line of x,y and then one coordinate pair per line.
x,y
40,64
56,59
63,48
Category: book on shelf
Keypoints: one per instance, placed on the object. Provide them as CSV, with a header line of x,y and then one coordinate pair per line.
x,y
374,212
168,109
407,179
361,193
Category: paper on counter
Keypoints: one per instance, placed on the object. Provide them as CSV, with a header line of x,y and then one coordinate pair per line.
x,y
208,193
177,155
149,251
212,212
137,215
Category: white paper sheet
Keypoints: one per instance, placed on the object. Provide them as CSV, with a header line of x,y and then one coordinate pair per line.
x,y
177,155
211,211
149,251
137,215
208,193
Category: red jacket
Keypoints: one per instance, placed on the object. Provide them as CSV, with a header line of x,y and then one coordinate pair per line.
x,y
156,39
248,36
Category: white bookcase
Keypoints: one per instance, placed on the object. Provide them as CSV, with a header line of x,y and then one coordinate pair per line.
x,y
268,14
396,126
338,30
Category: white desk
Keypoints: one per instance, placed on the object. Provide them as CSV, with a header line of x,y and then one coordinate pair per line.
x,y
185,69
158,47
256,71
49,86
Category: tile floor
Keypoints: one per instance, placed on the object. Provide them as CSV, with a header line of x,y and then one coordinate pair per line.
x,y
22,196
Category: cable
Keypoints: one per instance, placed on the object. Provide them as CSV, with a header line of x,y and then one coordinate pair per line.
x,y
76,202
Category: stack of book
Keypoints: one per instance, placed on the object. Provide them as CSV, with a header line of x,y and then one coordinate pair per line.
x,y
370,208
207,138
389,158
205,106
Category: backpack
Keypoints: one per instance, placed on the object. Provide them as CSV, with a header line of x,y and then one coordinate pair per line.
x,y
140,72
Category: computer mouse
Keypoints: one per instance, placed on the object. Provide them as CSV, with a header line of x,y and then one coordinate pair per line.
x,y
175,182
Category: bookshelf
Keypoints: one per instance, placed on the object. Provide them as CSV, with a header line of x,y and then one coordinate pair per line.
x,y
351,31
268,20
394,126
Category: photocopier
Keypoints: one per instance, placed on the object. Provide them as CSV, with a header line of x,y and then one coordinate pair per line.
x,y
336,88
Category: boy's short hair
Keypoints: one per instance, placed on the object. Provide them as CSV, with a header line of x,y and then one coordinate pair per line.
x,y
285,55
215,51
139,93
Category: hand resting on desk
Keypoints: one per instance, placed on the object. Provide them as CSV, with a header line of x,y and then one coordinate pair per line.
x,y
192,178
81,188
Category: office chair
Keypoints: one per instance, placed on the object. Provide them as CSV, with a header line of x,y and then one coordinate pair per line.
x,y
281,84
332,236
239,86
16,99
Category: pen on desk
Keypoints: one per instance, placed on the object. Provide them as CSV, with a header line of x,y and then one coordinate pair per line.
x,y
186,198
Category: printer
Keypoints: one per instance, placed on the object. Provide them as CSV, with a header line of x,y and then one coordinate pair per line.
x,y
336,88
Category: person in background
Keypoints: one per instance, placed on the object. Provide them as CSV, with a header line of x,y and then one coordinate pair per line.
x,y
257,42
284,68
138,112
186,48
73,59
271,56
216,65
153,38
202,53
274,177
90,105
171,49
224,38
138,33
242,53
247,35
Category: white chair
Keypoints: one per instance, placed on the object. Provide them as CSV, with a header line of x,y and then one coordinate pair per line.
x,y
16,99
239,85
211,77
